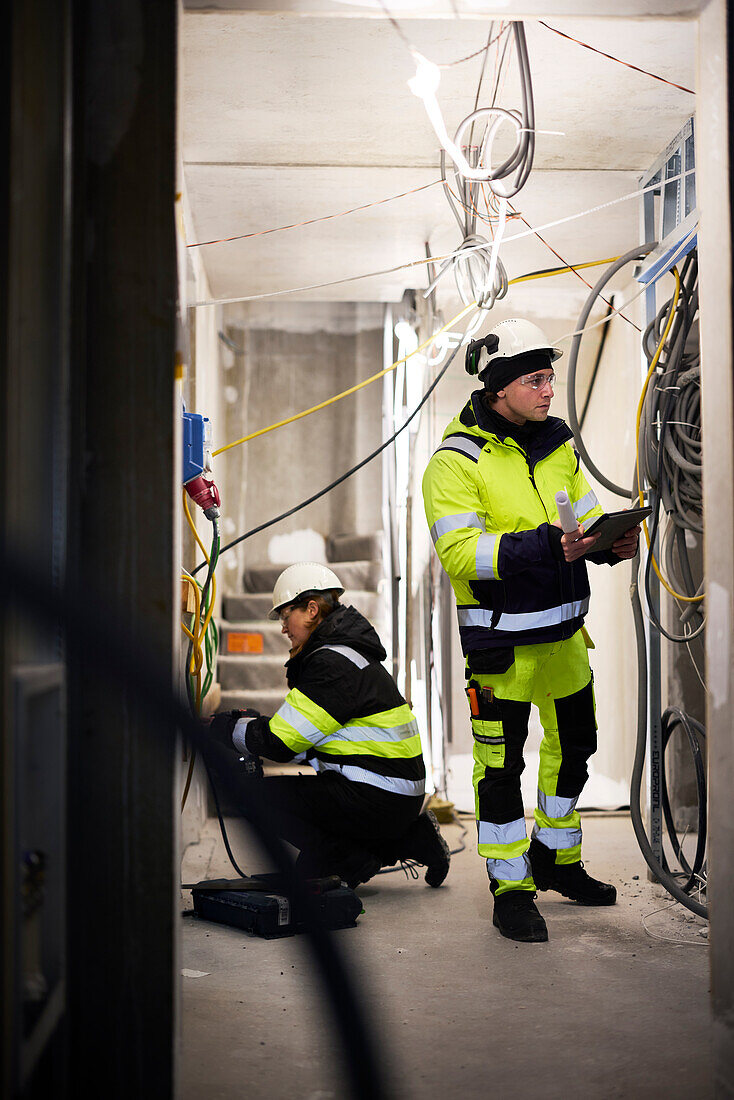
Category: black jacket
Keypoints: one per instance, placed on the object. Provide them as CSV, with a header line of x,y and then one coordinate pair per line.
x,y
340,691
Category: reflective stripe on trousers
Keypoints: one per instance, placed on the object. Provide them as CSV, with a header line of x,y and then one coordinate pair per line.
x,y
555,676
510,870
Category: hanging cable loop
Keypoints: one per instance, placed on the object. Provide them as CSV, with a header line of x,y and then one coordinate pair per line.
x,y
472,273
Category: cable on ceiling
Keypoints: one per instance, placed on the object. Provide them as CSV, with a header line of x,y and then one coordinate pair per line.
x,y
386,370
618,60
314,221
428,259
560,257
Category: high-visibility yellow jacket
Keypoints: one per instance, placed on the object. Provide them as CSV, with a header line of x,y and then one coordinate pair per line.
x,y
489,504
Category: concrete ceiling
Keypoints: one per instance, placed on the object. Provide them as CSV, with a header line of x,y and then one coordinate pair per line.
x,y
289,116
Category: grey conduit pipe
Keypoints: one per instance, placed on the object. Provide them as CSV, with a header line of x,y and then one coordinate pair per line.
x,y
638,253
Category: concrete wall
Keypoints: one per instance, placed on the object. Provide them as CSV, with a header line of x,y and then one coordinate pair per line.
x,y
295,355
609,435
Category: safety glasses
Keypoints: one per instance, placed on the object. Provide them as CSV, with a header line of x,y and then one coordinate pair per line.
x,y
537,381
284,615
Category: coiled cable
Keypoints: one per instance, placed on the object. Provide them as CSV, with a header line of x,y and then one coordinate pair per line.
x,y
520,160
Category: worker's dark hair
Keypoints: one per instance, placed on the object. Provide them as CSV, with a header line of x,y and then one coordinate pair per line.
x,y
327,601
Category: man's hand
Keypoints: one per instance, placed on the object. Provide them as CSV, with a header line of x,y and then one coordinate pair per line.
x,y
626,545
575,544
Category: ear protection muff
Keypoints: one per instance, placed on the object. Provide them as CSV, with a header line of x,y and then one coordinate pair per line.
x,y
479,352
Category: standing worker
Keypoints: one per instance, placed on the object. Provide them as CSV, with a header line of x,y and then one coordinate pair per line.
x,y
522,592
345,715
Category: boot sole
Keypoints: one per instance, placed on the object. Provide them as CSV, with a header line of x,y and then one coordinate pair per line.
x,y
539,936
436,878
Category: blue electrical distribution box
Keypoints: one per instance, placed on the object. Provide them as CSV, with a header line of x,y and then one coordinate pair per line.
x,y
196,441
670,210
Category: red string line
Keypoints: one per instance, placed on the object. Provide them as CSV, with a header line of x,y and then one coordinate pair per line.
x,y
619,61
312,221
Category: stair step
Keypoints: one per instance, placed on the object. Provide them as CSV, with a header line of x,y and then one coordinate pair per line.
x,y
263,638
349,548
253,607
250,673
362,575
266,701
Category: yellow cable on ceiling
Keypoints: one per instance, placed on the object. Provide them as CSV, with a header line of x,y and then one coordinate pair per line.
x,y
393,366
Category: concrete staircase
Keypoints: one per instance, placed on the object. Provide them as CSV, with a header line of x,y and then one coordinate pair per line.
x,y
252,650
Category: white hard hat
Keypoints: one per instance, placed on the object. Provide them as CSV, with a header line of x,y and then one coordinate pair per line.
x,y
509,338
517,336
304,576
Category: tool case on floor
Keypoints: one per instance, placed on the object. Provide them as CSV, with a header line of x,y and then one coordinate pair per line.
x,y
263,904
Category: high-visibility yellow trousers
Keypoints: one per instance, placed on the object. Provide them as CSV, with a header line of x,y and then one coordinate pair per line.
x,y
555,676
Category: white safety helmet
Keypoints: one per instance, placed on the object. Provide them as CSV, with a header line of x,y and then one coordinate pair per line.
x,y
304,576
508,339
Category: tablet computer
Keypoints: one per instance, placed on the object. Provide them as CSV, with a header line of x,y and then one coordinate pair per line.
x,y
612,525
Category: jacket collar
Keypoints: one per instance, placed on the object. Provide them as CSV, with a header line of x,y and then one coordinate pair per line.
x,y
551,433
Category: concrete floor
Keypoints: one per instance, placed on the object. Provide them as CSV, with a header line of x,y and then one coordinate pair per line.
x,y
604,1010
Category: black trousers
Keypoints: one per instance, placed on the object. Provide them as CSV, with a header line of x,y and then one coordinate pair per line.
x,y
336,825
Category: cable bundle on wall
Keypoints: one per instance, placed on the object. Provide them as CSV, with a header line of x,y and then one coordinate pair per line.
x,y
203,647
670,447
668,474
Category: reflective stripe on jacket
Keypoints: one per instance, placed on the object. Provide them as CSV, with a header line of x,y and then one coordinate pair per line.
x,y
489,504
345,711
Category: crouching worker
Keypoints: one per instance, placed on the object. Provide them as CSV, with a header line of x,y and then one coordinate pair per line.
x,y
344,714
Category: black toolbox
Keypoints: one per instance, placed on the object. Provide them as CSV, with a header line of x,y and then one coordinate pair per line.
x,y
263,904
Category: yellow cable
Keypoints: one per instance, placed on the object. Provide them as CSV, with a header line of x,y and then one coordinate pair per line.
x,y
396,364
651,371
352,389
199,632
561,270
197,655
192,525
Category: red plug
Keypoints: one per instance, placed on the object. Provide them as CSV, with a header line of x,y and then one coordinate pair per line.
x,y
204,492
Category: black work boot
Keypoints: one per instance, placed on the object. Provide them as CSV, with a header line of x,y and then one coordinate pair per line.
x,y
517,917
358,870
424,844
354,868
569,879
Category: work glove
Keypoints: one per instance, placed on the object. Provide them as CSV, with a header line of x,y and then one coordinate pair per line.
x,y
250,761
222,726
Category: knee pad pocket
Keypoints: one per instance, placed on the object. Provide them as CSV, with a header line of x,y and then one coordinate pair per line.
x,y
576,716
500,732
